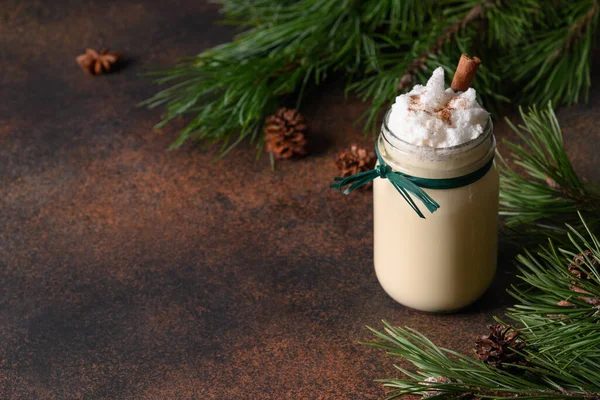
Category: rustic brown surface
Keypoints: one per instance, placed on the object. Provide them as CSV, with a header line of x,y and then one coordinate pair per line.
x,y
130,272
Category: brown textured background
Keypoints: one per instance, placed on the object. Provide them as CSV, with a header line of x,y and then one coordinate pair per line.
x,y
130,272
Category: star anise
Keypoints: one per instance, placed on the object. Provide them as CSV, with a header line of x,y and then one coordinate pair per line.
x,y
95,63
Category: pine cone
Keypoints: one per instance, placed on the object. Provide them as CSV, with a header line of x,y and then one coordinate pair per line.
x,y
579,265
94,63
499,347
284,134
354,160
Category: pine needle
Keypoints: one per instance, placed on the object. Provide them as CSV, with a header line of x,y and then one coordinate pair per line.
x,y
532,53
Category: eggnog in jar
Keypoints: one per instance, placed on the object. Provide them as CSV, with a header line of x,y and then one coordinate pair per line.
x,y
444,139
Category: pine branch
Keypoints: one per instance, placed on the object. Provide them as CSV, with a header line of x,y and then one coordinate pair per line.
x,y
475,13
577,30
532,53
562,343
553,64
552,192
233,87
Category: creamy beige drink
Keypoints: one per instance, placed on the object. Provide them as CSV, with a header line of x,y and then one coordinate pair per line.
x,y
448,259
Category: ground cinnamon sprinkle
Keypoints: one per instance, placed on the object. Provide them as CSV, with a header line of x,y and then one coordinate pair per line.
x,y
414,105
414,102
445,115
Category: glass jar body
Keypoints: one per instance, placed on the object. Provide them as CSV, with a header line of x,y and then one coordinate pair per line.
x,y
447,260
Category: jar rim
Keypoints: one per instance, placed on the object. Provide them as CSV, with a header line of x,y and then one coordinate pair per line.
x,y
487,131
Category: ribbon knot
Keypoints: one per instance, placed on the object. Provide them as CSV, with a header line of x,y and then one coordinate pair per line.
x,y
401,182
382,170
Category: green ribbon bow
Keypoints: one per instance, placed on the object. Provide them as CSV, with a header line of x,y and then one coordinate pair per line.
x,y
401,182
406,184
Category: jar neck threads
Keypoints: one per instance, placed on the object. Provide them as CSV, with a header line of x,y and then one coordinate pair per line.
x,y
436,163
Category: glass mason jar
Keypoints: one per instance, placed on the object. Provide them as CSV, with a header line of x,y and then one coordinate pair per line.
x,y
447,260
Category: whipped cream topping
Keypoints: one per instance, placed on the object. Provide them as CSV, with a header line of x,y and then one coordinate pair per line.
x,y
436,117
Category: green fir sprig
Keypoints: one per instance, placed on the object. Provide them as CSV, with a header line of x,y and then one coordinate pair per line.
x,y
533,51
550,192
231,88
557,322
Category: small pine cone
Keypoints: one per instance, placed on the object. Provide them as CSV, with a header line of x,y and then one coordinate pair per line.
x,y
579,265
500,346
354,160
284,134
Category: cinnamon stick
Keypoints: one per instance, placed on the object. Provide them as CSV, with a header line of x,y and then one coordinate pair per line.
x,y
465,72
